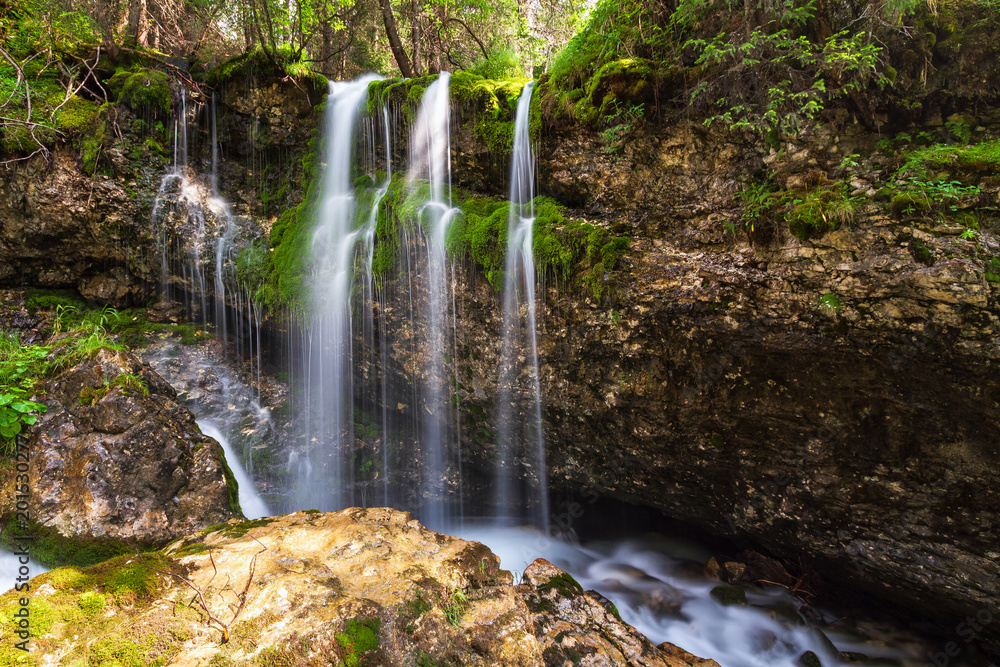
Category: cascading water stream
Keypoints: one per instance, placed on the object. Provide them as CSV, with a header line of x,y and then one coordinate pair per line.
x,y
430,159
521,433
326,478
250,501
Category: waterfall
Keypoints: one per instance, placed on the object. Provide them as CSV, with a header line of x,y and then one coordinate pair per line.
x,y
250,501
430,159
326,478
521,436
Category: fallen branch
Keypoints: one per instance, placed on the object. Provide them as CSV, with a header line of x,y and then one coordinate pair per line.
x,y
242,597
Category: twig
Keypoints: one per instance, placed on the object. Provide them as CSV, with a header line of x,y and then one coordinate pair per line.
x,y
201,597
471,34
90,73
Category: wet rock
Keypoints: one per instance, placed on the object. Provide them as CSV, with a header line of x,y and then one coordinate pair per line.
x,y
808,659
359,586
730,595
120,460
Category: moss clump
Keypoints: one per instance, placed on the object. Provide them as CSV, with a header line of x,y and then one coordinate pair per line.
x,y
90,395
909,203
921,252
482,233
118,651
360,637
564,584
236,529
967,163
493,105
91,603
78,116
729,595
52,549
189,335
142,89
822,210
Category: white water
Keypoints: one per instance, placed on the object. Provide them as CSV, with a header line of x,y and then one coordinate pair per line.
x,y
10,565
520,400
430,161
250,501
325,479
659,588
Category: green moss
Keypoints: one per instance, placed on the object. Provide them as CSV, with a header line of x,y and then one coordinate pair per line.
x,y
90,395
142,89
118,651
78,116
129,384
966,163
360,637
565,584
493,105
52,549
91,603
921,252
729,595
909,203
822,210
237,529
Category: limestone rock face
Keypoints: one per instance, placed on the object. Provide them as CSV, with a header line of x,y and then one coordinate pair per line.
x,y
62,228
111,460
356,587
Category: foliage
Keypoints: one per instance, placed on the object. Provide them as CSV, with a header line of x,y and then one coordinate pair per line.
x,y
21,368
457,607
820,210
779,81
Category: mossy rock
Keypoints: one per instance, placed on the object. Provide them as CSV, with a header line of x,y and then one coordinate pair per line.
x,y
820,211
142,89
52,549
729,595
909,203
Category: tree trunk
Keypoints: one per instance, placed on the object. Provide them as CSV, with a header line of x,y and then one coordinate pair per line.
x,y
394,42
138,25
415,37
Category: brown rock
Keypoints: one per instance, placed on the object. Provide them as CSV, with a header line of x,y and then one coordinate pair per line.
x,y
113,461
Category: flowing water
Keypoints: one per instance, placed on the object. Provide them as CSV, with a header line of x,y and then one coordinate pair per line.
x,y
251,503
521,434
430,162
325,478
659,587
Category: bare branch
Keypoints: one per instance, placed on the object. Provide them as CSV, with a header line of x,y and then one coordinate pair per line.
x,y
200,597
471,34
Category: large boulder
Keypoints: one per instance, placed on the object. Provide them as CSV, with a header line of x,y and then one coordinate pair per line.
x,y
117,456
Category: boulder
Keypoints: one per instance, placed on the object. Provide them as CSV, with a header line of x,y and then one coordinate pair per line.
x,y
117,456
